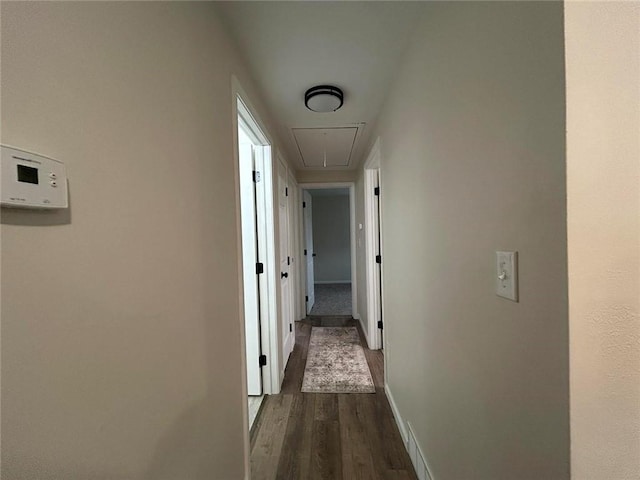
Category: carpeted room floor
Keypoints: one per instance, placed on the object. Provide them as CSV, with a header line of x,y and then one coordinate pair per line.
x,y
332,299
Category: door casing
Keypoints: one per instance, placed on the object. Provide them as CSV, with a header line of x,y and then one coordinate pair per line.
x,y
352,222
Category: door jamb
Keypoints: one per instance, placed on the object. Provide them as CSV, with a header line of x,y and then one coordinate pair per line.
x,y
374,298
352,222
242,107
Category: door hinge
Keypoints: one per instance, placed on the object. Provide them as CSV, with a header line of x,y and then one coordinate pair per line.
x,y
380,324
306,298
290,327
378,258
288,260
304,204
259,268
286,191
262,360
376,191
256,176
305,251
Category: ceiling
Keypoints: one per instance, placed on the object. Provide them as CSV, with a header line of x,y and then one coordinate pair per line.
x,y
292,46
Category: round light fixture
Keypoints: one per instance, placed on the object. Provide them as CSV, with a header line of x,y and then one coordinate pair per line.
x,y
323,98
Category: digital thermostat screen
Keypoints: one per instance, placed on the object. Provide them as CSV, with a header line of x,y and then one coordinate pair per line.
x,y
27,174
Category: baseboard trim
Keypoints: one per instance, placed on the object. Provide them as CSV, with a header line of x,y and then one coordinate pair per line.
x,y
396,414
418,459
325,282
366,334
417,456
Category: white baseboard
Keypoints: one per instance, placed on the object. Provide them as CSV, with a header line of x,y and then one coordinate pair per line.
x,y
416,454
324,282
364,330
396,414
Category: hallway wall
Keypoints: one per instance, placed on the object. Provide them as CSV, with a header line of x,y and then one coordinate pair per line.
x,y
332,239
326,176
361,256
603,187
121,331
473,161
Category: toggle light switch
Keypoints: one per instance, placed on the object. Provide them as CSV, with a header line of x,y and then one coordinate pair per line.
x,y
507,275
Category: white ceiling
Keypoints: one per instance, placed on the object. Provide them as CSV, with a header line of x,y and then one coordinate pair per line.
x,y
292,46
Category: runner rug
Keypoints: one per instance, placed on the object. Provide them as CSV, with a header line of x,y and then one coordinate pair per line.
x,y
336,362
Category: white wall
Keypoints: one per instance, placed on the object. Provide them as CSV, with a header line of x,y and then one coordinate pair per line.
x,y
361,251
121,331
325,176
473,161
603,188
331,239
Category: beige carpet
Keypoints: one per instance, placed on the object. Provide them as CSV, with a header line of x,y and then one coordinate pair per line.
x,y
336,362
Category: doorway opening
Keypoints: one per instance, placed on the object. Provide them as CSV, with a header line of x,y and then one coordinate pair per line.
x,y
329,250
373,249
255,189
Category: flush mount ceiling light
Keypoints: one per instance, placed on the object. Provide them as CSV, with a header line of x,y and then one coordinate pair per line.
x,y
323,98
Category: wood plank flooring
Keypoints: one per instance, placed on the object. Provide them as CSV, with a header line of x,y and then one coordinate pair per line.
x,y
326,436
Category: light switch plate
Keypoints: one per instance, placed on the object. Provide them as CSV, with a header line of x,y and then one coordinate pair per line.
x,y
507,275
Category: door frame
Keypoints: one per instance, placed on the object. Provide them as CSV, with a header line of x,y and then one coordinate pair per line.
x,y
374,287
288,337
294,246
307,212
241,106
249,244
352,222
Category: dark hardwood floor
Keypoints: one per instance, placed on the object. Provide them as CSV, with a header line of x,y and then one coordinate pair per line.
x,y
309,436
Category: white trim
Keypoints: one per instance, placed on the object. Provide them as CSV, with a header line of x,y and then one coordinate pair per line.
x,y
354,266
352,217
396,414
243,358
372,226
294,247
420,465
288,337
247,108
418,458
242,107
266,250
269,305
366,334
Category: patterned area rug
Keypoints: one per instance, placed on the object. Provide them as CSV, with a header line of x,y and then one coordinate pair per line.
x,y
336,362
332,299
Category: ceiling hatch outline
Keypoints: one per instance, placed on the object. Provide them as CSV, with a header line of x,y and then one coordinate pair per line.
x,y
356,132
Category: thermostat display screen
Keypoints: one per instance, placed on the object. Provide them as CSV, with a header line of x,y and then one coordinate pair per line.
x,y
27,174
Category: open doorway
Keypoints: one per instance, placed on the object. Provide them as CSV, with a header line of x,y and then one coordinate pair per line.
x,y
329,233
255,188
373,250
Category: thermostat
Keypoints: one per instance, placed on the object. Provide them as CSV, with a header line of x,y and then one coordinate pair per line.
x,y
32,181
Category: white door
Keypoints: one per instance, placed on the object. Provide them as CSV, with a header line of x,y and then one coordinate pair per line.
x,y
294,249
378,271
249,260
285,261
308,245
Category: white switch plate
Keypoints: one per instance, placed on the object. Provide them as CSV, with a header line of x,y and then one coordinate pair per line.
x,y
507,275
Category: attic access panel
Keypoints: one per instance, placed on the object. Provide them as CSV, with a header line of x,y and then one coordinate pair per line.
x,y
338,143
